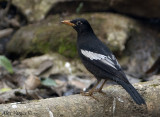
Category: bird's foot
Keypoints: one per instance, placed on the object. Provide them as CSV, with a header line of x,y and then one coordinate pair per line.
x,y
99,91
90,93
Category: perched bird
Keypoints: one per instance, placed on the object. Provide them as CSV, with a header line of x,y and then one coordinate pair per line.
x,y
99,60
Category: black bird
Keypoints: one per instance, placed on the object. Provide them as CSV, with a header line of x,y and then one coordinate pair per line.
x,y
99,60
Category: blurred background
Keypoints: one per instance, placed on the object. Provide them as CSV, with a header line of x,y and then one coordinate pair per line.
x,y
38,55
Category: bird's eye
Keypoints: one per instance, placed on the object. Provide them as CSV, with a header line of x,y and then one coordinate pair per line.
x,y
79,23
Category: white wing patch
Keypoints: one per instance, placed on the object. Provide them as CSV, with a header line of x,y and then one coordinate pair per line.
x,y
102,58
114,58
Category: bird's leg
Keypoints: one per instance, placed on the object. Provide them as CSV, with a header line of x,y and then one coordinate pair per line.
x,y
90,93
100,89
91,90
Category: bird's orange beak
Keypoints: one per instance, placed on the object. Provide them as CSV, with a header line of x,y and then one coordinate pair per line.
x,y
68,22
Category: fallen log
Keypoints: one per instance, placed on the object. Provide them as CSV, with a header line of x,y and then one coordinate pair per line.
x,y
115,102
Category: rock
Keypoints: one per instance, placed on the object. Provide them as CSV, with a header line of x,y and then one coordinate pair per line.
x,y
116,32
136,8
143,8
43,37
51,35
37,9
79,6
142,49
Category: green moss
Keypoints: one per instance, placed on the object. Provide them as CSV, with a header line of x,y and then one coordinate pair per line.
x,y
66,47
154,85
41,40
63,42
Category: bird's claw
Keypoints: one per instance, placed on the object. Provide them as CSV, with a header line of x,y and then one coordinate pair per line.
x,y
88,94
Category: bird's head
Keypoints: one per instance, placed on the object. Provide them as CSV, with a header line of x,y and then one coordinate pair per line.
x,y
80,25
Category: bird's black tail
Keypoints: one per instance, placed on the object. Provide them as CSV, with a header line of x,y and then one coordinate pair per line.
x,y
133,92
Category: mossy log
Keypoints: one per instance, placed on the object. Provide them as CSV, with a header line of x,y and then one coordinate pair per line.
x,y
116,102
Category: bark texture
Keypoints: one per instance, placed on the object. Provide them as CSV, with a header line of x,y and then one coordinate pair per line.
x,y
116,102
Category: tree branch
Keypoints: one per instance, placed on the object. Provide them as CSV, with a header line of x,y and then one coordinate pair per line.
x,y
116,102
